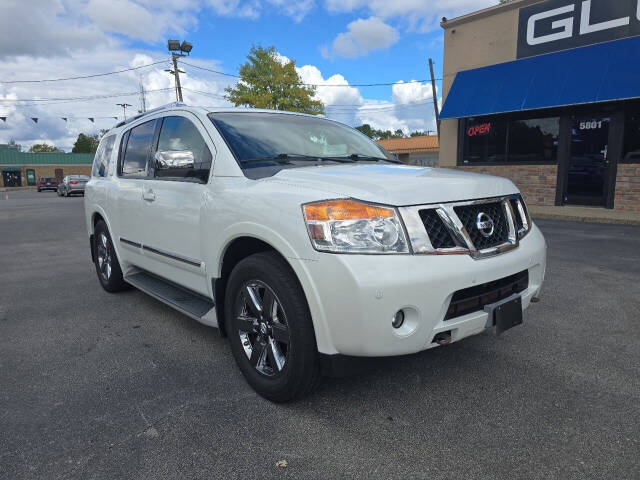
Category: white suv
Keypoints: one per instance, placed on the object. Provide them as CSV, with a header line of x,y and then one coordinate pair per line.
x,y
304,241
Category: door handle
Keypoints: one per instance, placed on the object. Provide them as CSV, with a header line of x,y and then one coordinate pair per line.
x,y
149,195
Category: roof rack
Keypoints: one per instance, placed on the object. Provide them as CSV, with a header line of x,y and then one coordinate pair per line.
x,y
153,110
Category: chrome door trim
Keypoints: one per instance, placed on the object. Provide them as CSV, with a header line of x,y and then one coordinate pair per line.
x,y
173,256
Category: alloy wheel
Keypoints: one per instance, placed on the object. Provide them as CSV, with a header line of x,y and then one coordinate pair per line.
x,y
104,256
262,327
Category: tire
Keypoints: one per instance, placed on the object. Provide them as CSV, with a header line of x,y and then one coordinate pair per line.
x,y
39,190
290,369
106,260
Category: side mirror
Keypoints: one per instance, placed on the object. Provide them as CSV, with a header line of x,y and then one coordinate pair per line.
x,y
174,159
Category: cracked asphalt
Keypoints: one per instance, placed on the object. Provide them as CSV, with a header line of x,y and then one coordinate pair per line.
x,y
94,385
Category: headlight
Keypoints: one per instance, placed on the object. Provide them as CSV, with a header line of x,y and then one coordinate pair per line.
x,y
349,226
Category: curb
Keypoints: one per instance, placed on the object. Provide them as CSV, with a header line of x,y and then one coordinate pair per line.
x,y
584,219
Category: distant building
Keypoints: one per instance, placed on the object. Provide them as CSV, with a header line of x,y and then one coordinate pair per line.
x,y
23,169
421,150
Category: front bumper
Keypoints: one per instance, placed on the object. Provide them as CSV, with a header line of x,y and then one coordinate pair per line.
x,y
354,297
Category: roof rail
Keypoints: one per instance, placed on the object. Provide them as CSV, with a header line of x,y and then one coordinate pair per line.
x,y
153,110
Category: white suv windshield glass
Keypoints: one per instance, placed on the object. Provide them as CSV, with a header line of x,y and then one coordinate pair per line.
x,y
259,139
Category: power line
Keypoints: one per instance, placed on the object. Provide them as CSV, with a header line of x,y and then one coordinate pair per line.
x,y
57,101
381,84
83,76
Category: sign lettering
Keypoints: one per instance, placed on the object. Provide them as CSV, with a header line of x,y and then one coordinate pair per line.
x,y
563,24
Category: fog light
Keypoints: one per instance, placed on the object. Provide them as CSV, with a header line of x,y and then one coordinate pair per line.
x,y
398,319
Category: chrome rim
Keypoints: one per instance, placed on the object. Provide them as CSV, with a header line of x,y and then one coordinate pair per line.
x,y
104,256
262,327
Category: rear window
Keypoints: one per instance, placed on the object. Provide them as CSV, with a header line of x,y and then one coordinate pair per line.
x,y
103,155
136,151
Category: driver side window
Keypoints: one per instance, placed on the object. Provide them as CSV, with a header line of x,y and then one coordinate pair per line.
x,y
182,153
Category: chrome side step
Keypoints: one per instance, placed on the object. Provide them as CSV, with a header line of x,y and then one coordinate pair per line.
x,y
185,301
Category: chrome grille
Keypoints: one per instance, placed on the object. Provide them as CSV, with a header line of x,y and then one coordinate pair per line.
x,y
458,227
469,214
438,233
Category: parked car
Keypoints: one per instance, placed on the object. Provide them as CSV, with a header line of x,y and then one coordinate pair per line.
x,y
72,184
47,183
304,242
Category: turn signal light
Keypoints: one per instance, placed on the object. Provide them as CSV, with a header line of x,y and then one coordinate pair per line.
x,y
345,210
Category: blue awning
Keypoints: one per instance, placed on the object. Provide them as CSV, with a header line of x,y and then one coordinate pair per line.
x,y
597,73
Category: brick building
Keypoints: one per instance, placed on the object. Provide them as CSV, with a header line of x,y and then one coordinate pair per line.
x,y
419,150
23,169
547,93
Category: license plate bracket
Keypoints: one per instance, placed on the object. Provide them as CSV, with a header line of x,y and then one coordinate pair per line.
x,y
505,314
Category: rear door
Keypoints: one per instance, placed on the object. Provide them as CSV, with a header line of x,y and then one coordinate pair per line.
x,y
132,172
174,198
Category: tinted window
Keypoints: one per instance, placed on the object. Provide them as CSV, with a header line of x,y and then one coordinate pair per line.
x,y
258,135
631,151
103,154
181,152
137,149
534,140
485,140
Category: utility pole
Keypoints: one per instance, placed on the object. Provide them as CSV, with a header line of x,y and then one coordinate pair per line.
x,y
124,108
177,50
435,97
143,98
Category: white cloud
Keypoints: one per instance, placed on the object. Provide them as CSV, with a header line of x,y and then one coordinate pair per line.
x,y
422,14
362,36
135,20
296,9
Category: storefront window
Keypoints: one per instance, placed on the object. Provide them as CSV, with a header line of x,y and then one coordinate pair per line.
x,y
497,140
631,149
534,140
485,140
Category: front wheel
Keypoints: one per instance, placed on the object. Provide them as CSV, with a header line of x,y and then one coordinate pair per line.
x,y
106,261
270,328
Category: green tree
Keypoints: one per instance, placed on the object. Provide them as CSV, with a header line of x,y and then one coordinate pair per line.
x,y
86,144
265,82
43,148
367,130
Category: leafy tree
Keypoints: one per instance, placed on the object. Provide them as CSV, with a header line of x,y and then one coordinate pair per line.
x,y
86,144
265,82
12,144
367,130
43,148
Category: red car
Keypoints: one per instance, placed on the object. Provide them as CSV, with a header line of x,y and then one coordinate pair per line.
x,y
47,183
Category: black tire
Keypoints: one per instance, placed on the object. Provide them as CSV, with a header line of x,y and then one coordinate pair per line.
x,y
104,254
300,373
39,190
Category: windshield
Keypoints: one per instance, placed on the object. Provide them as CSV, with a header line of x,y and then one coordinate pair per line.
x,y
256,135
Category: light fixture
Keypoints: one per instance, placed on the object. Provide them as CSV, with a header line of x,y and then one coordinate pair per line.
x,y
186,47
174,45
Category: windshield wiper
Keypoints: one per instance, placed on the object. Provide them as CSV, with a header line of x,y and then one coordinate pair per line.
x,y
356,157
286,157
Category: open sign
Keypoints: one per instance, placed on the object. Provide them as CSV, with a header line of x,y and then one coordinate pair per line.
x,y
482,129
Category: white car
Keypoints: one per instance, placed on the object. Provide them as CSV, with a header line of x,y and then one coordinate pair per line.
x,y
304,241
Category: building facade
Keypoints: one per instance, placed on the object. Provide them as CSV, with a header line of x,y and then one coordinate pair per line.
x,y
21,169
547,93
419,150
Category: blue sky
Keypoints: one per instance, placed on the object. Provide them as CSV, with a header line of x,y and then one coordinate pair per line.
x,y
332,41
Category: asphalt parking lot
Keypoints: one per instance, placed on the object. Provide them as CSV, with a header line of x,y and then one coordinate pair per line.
x,y
94,385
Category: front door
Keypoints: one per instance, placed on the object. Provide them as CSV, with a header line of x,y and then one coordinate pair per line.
x,y
588,163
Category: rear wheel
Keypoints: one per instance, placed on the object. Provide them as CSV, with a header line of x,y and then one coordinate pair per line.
x,y
270,328
106,261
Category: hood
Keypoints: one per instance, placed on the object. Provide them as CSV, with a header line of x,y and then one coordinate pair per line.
x,y
398,185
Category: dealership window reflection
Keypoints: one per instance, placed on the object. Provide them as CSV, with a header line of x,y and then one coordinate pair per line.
x,y
632,139
497,140
485,140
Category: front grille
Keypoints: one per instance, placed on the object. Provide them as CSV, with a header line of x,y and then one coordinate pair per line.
x,y
516,214
474,299
436,229
468,215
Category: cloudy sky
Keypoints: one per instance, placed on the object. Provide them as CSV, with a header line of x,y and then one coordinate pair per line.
x,y
333,42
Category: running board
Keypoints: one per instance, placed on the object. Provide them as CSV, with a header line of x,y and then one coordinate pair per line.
x,y
185,301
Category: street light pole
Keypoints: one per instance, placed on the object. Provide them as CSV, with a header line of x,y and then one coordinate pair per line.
x,y
176,72
124,108
178,49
